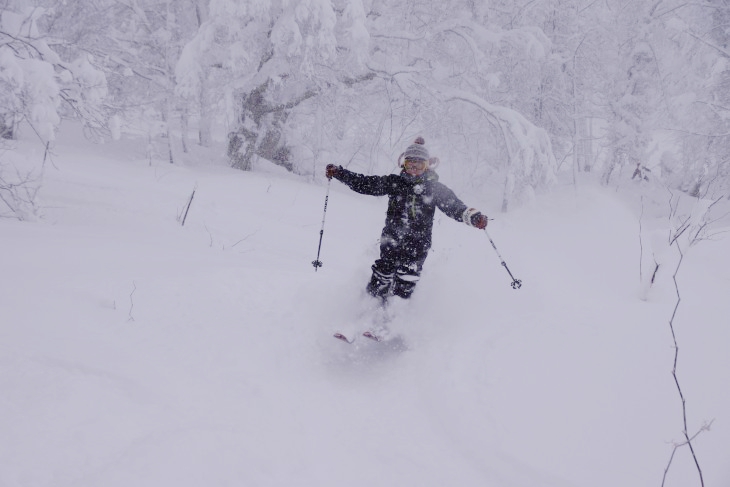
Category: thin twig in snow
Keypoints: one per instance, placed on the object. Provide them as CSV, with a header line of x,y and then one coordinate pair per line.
x,y
131,302
245,238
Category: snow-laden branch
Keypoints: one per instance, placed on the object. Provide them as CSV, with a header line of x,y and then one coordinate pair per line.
x,y
531,40
711,45
532,163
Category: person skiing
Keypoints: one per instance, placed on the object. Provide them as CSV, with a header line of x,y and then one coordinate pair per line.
x,y
413,196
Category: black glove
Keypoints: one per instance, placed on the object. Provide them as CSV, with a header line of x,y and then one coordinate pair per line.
x,y
331,171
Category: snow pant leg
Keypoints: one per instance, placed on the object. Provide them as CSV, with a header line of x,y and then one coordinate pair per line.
x,y
413,253
381,280
406,278
398,269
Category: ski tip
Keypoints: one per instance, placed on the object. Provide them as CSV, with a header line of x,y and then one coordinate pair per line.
x,y
342,337
372,336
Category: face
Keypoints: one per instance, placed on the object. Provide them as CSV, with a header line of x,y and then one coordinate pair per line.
x,y
415,167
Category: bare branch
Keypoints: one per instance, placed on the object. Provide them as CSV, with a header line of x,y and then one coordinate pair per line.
x,y
705,427
688,440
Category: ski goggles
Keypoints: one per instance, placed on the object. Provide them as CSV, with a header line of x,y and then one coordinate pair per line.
x,y
416,163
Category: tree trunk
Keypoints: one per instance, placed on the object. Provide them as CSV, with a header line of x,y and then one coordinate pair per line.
x,y
612,165
184,129
588,146
166,116
7,128
261,129
241,148
206,114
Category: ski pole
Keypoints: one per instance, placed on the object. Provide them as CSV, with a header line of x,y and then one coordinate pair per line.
x,y
516,283
318,263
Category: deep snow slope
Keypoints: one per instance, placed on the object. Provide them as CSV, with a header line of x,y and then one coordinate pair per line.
x,y
136,351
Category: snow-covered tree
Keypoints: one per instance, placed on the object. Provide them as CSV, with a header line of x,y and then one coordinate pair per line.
x,y
456,54
631,107
30,87
512,90
372,73
136,44
269,57
701,115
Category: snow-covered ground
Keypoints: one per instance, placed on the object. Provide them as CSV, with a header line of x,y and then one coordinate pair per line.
x,y
138,352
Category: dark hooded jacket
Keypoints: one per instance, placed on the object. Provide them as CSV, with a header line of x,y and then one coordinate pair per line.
x,y
412,202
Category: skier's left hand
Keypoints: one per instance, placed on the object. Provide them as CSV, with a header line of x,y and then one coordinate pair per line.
x,y
480,221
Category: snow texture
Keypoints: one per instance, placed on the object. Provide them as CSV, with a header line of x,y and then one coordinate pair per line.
x,y
137,351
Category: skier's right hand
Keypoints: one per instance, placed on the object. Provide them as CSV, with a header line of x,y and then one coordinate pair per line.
x,y
331,171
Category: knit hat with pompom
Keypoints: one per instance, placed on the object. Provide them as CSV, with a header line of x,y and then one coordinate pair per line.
x,y
417,150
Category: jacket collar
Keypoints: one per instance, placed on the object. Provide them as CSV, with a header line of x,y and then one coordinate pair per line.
x,y
429,175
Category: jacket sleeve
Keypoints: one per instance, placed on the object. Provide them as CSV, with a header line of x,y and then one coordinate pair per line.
x,y
370,185
449,203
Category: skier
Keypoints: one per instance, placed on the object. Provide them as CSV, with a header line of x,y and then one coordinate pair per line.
x,y
413,196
